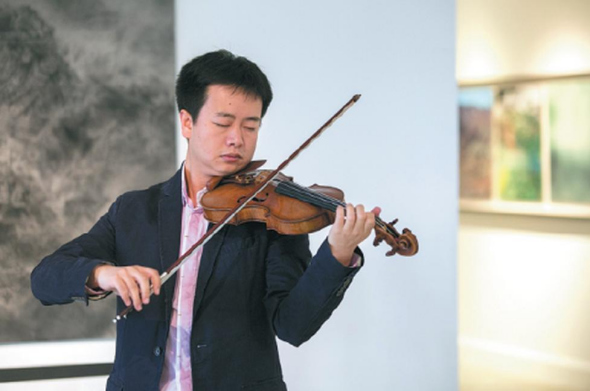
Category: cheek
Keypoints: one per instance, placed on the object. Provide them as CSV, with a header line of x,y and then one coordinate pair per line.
x,y
203,144
252,139
251,145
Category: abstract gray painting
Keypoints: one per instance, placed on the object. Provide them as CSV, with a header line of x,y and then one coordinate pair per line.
x,y
86,113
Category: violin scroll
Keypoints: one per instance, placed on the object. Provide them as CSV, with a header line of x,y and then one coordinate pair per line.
x,y
405,244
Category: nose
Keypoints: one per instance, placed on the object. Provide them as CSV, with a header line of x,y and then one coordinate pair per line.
x,y
234,136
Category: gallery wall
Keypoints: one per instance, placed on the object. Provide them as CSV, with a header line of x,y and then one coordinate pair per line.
x,y
396,148
507,39
523,280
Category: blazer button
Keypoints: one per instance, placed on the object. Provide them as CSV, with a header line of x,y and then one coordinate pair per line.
x,y
157,351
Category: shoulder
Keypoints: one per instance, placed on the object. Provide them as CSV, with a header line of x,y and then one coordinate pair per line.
x,y
148,198
154,192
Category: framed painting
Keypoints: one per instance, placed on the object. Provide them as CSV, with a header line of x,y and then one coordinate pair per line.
x,y
525,146
79,124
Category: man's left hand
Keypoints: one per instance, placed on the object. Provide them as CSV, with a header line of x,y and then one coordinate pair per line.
x,y
349,230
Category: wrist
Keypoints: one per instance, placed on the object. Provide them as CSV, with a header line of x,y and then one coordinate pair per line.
x,y
92,281
343,256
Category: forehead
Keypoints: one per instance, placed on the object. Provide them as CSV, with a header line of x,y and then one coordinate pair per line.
x,y
224,95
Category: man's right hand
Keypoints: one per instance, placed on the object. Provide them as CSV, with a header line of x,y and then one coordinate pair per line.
x,y
131,283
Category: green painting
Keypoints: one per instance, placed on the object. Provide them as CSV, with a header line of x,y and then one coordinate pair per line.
x,y
517,160
569,118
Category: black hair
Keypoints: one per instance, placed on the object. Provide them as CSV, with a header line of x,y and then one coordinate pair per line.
x,y
219,68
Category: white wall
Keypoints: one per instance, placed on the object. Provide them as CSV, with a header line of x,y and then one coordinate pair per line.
x,y
523,281
506,38
396,148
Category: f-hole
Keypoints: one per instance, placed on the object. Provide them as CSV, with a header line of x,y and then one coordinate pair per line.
x,y
256,199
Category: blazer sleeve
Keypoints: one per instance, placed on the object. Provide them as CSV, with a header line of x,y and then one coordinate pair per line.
x,y
60,278
302,294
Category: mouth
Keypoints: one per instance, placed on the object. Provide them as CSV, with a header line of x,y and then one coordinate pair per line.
x,y
231,157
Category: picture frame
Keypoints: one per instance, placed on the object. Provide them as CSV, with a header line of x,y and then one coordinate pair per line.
x,y
525,146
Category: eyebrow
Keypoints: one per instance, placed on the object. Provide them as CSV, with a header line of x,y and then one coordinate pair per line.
x,y
228,115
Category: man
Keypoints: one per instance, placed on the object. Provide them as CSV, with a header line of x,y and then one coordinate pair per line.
x,y
213,325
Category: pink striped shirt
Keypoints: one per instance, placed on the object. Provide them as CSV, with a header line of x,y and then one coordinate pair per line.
x,y
176,375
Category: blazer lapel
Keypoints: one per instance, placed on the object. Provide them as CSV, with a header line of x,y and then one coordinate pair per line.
x,y
169,219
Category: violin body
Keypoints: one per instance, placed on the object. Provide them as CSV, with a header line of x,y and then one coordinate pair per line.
x,y
286,215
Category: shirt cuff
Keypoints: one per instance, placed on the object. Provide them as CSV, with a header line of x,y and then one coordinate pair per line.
x,y
355,261
96,294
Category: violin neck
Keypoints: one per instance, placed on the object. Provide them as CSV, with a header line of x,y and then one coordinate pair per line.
x,y
305,194
301,193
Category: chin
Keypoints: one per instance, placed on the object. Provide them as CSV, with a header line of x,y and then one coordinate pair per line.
x,y
230,168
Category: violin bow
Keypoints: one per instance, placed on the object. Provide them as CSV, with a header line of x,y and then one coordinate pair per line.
x,y
172,269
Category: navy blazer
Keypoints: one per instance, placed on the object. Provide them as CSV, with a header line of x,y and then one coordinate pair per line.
x,y
253,285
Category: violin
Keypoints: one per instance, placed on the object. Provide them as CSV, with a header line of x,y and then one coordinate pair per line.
x,y
289,208
273,198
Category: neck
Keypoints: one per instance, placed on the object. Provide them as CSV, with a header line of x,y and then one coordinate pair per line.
x,y
194,182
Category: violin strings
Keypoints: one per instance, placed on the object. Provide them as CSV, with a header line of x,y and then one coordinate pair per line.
x,y
305,194
333,202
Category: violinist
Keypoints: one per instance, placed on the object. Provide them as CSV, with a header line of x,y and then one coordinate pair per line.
x,y
213,325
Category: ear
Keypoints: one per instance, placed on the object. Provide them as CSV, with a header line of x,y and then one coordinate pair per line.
x,y
186,123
